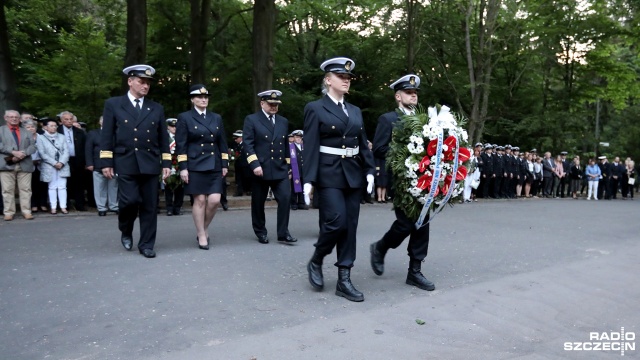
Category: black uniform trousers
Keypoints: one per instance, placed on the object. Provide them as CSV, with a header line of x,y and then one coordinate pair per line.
x,y
76,183
243,179
138,195
282,192
339,211
497,187
400,229
174,198
547,183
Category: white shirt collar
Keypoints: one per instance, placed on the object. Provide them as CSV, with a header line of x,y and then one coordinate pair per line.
x,y
199,112
132,99
267,115
336,101
406,111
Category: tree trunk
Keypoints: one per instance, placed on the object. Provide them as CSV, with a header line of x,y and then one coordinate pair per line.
x,y
480,62
200,14
8,93
411,34
264,19
136,52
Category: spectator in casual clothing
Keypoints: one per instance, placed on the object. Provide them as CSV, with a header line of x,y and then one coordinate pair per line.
x,y
105,191
54,152
548,173
593,174
16,165
76,144
575,176
38,188
558,175
530,174
628,179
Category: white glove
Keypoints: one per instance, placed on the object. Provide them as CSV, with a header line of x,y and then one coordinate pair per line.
x,y
306,189
369,184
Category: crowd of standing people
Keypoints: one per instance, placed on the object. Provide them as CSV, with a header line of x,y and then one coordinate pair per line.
x,y
136,151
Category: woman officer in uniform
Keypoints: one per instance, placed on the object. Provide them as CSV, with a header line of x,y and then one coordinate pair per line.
x,y
336,155
203,159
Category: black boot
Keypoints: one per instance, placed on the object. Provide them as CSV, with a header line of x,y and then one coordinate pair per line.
x,y
345,288
415,277
377,258
314,267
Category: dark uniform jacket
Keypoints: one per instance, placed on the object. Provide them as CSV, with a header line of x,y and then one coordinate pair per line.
x,y
92,149
382,137
487,164
326,124
134,144
241,155
201,144
499,165
79,144
266,145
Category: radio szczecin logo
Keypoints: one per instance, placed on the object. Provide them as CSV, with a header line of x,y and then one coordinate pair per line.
x,y
612,341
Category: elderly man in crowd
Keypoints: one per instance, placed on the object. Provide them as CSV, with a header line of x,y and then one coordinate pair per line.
x,y
76,142
16,165
105,190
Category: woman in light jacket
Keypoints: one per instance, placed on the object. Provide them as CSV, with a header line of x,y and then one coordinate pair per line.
x,y
55,165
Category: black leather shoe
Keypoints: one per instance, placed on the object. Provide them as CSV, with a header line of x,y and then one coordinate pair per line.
x,y
294,207
127,241
203,247
263,239
177,211
169,212
377,259
314,268
287,239
148,253
225,206
102,213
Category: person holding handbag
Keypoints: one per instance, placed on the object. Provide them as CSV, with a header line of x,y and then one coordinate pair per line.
x,y
55,165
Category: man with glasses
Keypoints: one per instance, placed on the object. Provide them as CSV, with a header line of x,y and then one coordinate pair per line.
x,y
16,165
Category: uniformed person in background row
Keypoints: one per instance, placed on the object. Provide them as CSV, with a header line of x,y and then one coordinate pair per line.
x,y
134,146
297,197
203,160
242,171
406,96
336,156
173,197
267,150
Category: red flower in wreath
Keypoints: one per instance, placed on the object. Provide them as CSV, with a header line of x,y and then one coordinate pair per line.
x,y
464,154
446,184
424,164
462,173
432,147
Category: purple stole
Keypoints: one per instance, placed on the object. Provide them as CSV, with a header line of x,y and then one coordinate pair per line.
x,y
295,172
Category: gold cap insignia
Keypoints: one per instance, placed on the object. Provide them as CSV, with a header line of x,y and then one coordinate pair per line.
x,y
203,90
274,95
412,80
148,72
347,66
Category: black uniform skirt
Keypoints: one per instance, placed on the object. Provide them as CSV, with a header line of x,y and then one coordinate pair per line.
x,y
381,173
204,182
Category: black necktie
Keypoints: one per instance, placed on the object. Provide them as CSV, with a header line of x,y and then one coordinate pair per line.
x,y
138,107
273,122
343,108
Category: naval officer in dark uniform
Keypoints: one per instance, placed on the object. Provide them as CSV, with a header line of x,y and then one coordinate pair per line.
x,y
406,96
203,159
134,146
336,155
265,145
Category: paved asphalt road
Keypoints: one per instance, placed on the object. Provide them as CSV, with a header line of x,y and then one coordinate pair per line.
x,y
515,279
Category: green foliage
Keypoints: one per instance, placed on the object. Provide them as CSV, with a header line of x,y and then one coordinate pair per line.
x,y
552,60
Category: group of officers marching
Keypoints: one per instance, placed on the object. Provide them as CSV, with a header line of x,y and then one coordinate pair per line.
x,y
332,165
